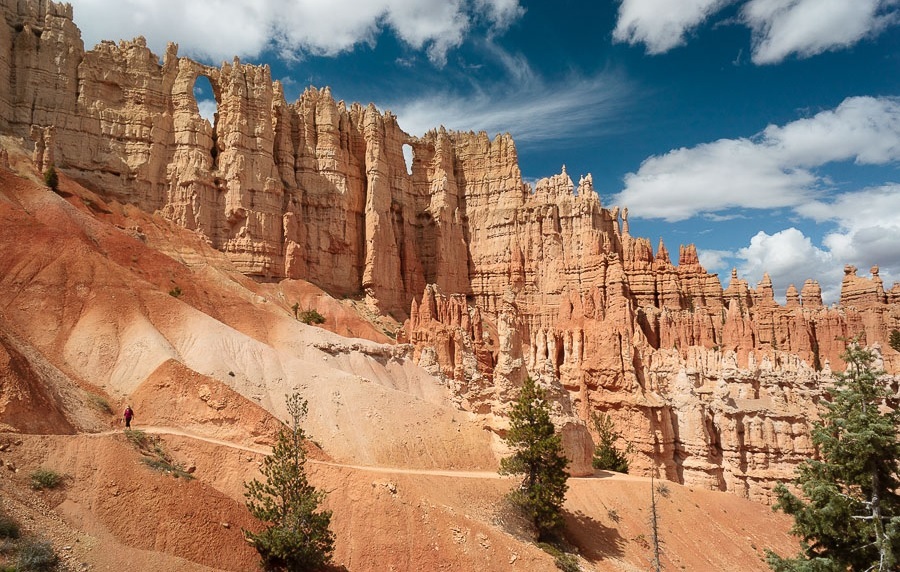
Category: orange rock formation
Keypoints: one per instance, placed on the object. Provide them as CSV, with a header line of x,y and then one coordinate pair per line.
x,y
498,280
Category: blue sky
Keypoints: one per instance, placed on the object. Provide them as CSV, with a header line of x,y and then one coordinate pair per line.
x,y
766,132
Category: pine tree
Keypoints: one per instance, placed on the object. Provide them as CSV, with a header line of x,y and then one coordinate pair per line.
x,y
539,457
849,513
297,536
894,340
607,457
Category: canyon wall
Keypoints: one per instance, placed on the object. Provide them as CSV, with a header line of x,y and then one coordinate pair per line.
x,y
714,386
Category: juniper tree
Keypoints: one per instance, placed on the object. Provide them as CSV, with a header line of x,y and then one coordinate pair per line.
x,y
848,512
538,456
297,536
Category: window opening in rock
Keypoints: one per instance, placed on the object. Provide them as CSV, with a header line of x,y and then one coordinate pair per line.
x,y
208,107
408,157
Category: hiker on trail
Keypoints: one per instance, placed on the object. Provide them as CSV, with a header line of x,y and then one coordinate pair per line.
x,y
128,415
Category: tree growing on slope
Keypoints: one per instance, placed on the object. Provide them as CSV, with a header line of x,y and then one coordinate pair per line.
x,y
538,456
894,340
297,536
51,179
849,513
607,457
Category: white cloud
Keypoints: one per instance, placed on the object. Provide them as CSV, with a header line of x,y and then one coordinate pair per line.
x,y
715,261
208,108
774,169
711,177
530,110
867,235
777,169
782,28
868,230
789,257
662,24
863,129
501,13
219,30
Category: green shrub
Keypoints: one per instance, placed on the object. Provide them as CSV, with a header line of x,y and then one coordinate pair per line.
x,y
564,561
138,438
45,479
309,317
175,292
166,465
51,179
36,556
568,563
9,527
155,456
100,403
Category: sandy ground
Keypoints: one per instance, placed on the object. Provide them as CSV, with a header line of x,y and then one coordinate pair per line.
x,y
114,509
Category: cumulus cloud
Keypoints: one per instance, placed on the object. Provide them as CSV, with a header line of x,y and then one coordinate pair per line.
x,y
866,234
776,169
715,261
868,227
780,28
661,26
222,29
773,169
809,27
208,108
789,257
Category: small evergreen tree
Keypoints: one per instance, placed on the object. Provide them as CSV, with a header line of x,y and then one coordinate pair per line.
x,y
297,536
51,179
538,455
894,340
607,457
849,516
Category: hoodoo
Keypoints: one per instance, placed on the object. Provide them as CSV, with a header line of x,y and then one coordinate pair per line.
x,y
495,279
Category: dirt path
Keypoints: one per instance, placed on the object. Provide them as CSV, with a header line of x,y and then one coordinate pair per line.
x,y
158,430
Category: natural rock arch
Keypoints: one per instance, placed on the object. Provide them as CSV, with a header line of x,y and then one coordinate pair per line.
x,y
207,99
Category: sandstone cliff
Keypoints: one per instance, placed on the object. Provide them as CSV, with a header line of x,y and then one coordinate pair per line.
x,y
498,280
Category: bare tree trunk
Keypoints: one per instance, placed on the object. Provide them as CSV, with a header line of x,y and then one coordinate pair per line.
x,y
654,528
880,539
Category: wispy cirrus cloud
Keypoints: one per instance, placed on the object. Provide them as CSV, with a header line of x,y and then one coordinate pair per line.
x,y
220,30
780,28
521,102
532,111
